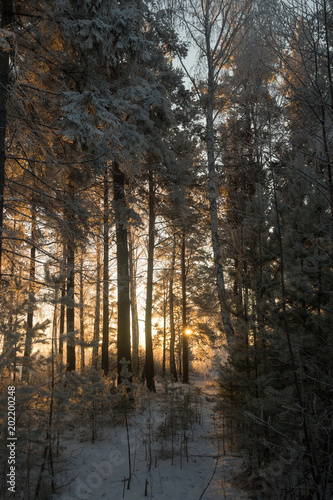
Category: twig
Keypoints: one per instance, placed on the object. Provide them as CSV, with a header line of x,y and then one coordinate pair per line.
x,y
211,478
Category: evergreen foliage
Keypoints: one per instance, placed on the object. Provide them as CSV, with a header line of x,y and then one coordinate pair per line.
x,y
213,203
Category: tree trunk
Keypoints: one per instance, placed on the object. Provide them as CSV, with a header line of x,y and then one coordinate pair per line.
x,y
82,360
62,269
327,157
149,363
70,316
219,270
97,304
55,322
62,321
329,74
6,20
105,340
134,307
173,370
179,345
31,305
70,310
164,327
124,331
185,332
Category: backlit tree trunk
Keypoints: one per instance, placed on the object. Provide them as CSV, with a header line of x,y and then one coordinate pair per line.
x,y
105,339
213,26
124,306
164,327
70,312
212,194
82,316
134,306
97,303
149,363
185,332
62,322
173,369
32,275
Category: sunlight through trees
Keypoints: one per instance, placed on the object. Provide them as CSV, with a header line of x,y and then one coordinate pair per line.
x,y
163,216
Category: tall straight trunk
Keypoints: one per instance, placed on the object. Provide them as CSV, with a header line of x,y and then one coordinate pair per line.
x,y
105,339
134,306
179,345
241,306
329,75
212,194
63,267
70,312
164,327
62,321
97,303
32,275
327,156
258,311
123,300
184,304
149,363
173,370
6,20
55,321
82,360
246,309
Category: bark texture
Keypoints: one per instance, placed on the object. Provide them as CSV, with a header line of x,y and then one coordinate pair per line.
x,y
184,313
123,281
212,194
97,304
173,369
149,363
105,335
134,306
70,312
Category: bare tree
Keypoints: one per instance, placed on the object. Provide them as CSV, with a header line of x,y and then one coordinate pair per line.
x,y
212,27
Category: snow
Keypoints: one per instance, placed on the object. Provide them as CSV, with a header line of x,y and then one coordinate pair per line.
x,y
101,471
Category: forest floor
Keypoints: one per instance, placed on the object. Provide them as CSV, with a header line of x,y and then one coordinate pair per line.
x,y
177,452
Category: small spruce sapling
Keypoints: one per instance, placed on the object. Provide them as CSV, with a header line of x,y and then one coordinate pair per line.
x,y
88,400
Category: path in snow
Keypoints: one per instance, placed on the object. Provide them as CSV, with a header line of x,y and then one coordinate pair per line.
x,y
100,471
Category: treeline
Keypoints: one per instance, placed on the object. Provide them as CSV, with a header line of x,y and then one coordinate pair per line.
x,y
98,157
210,208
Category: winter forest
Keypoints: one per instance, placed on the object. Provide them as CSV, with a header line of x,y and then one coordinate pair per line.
x,y
166,258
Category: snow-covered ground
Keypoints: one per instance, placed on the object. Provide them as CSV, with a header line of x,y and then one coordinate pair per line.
x,y
167,461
